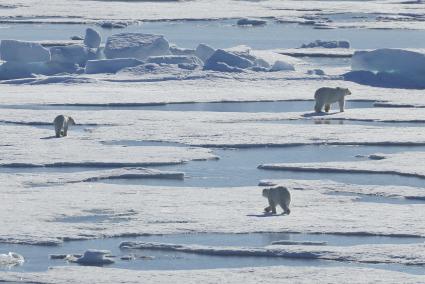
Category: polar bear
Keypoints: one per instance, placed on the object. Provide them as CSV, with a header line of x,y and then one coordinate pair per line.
x,y
327,96
61,124
277,195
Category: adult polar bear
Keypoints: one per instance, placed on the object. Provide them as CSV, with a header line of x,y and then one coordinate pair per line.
x,y
61,124
277,196
326,96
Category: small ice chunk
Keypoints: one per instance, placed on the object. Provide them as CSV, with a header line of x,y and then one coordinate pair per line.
x,y
16,70
327,44
135,45
95,257
113,25
222,59
259,62
75,54
92,38
174,59
376,157
280,65
204,51
23,51
250,22
175,50
110,65
319,72
11,259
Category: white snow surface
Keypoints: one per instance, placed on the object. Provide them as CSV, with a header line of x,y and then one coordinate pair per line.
x,y
165,210
281,274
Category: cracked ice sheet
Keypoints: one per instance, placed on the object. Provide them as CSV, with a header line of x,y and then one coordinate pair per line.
x,y
166,210
405,164
281,274
201,90
191,128
30,146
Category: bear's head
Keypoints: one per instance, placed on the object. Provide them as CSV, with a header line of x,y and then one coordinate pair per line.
x,y
266,192
347,92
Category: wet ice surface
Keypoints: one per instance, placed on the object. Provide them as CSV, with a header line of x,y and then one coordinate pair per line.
x,y
272,106
238,167
224,33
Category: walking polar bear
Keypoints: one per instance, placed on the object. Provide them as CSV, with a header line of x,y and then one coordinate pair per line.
x,y
61,124
277,196
327,96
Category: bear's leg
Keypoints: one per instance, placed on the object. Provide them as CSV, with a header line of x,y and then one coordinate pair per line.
x,y
58,133
327,107
65,130
341,104
318,107
272,206
285,208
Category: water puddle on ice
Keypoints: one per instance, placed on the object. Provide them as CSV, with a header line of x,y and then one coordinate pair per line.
x,y
37,257
263,106
225,33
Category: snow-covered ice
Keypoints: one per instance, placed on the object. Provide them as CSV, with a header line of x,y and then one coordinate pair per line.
x,y
135,45
20,51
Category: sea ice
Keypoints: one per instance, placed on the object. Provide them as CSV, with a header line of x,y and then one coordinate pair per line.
x,y
135,45
72,54
222,59
174,59
110,65
23,51
204,51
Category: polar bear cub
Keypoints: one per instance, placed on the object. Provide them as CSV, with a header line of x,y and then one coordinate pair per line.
x,y
327,96
61,124
277,196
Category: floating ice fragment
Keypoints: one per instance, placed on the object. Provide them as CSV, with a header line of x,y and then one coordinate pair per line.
x,y
11,259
